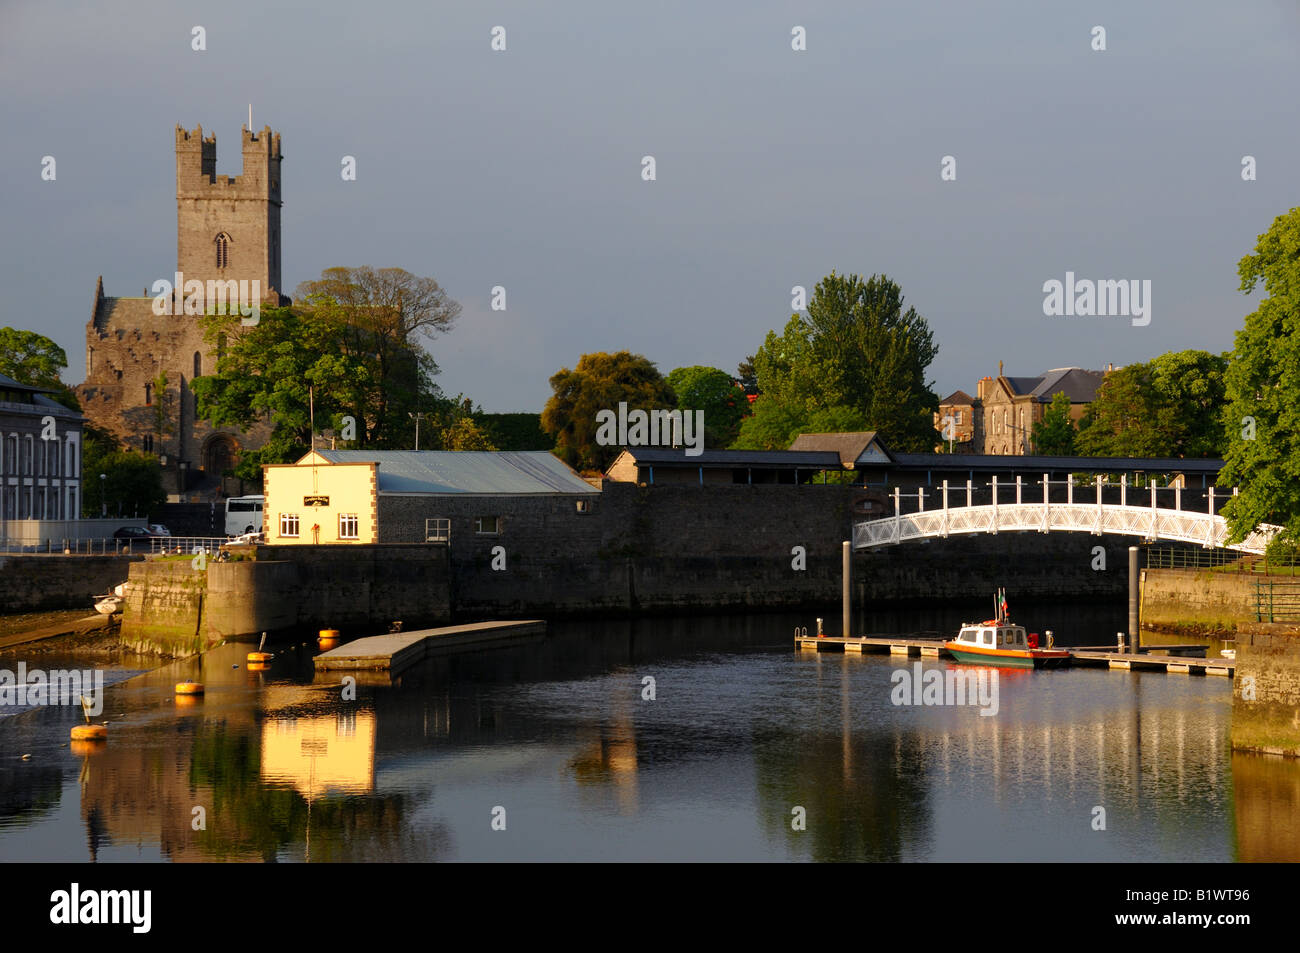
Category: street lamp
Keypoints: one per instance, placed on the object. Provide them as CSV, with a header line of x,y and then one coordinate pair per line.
x,y
103,496
416,417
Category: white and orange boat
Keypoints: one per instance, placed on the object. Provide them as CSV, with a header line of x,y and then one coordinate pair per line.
x,y
999,641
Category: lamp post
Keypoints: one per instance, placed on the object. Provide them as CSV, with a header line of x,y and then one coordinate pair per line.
x,y
416,417
103,496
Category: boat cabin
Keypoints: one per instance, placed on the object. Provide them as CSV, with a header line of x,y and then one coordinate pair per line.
x,y
994,636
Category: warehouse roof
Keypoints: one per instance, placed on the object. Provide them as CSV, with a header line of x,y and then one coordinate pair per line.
x,y
465,471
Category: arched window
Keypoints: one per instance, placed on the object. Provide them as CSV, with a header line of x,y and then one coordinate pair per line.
x,y
148,395
198,364
222,242
148,443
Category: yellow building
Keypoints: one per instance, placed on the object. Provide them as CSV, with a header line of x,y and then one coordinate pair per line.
x,y
317,500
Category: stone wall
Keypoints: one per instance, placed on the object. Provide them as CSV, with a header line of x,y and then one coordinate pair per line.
x,y
35,582
164,608
1174,598
1266,689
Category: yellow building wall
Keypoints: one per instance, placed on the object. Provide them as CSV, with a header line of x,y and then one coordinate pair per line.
x,y
350,487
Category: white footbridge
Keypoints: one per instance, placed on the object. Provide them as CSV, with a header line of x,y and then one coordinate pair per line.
x,y
1143,519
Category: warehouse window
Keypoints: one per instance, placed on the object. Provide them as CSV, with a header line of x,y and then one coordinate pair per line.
x,y
488,526
348,526
289,524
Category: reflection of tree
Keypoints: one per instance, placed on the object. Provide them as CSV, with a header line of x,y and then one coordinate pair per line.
x,y
247,816
864,795
31,792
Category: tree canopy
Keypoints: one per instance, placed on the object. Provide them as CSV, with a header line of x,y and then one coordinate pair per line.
x,y
716,393
858,350
35,360
1168,407
600,381
1054,434
1262,389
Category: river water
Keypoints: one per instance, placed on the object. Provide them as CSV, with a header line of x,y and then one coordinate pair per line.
x,y
748,750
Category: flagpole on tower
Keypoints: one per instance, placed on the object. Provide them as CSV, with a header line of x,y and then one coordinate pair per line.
x,y
250,117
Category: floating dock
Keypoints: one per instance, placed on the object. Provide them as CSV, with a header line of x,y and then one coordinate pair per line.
x,y
1175,660
400,650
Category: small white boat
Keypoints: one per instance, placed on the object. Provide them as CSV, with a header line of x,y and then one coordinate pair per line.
x,y
107,605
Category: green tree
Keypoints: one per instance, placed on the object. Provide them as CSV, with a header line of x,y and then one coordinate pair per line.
x,y
1168,407
1054,434
600,381
132,484
35,360
717,394
517,431
1262,413
857,348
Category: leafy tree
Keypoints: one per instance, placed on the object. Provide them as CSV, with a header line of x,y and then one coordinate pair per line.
x,y
600,381
515,431
717,394
1054,434
1168,407
35,360
857,348
133,481
1262,415
465,434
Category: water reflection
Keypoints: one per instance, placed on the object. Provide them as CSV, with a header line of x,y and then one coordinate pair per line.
x,y
742,730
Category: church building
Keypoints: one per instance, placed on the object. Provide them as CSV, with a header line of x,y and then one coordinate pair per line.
x,y
140,364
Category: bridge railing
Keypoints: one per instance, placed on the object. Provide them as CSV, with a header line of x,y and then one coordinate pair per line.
x,y
971,493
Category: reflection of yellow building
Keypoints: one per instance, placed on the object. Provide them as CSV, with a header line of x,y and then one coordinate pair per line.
x,y
321,753
319,501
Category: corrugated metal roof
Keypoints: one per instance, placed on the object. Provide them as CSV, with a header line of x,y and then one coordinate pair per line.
x,y
467,471
812,460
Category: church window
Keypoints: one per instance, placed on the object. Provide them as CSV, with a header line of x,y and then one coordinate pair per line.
x,y
223,250
148,443
148,395
198,364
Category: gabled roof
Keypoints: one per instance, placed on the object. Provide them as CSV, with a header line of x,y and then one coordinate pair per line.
x,y
852,448
958,397
519,472
1076,383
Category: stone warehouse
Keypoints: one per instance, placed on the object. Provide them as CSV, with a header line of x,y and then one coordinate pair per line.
x,y
227,229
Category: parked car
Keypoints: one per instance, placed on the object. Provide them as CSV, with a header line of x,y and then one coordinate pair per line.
x,y
134,532
158,529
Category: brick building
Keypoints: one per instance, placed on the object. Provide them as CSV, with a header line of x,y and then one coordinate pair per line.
x,y
227,230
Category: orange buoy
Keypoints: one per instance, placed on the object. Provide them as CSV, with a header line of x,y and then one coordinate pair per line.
x,y
329,633
89,732
189,688
87,747
260,656
257,666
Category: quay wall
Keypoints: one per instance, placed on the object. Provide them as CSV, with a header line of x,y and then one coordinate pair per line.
x,y
1266,689
1199,600
36,582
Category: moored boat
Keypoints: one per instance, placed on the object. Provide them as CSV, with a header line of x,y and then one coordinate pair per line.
x,y
999,641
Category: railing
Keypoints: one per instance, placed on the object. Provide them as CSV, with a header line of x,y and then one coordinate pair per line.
x,y
1223,560
1108,511
108,546
1277,600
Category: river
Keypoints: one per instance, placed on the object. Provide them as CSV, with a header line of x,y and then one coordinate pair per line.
x,y
682,738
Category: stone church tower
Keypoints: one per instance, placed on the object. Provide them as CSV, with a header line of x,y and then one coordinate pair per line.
x,y
227,229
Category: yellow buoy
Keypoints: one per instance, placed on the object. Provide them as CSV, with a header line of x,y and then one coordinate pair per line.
x,y
260,656
257,666
329,633
89,732
189,688
87,747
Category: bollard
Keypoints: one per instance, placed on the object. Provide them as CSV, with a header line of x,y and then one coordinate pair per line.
x,y
820,633
1050,640
1119,642
1134,633
846,594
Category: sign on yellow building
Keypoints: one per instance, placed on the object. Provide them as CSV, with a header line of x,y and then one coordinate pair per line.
x,y
315,501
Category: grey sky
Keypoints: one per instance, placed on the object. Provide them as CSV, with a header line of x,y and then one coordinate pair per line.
x,y
522,168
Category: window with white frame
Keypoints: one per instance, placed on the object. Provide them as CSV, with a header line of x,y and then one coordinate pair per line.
x,y
289,524
348,527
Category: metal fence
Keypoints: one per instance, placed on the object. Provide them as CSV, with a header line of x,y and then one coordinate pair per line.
x,y
1222,560
108,546
1277,600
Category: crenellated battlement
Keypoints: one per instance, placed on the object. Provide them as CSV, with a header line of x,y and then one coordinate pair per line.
x,y
196,165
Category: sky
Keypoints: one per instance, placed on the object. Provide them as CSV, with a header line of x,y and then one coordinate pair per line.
x,y
523,168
